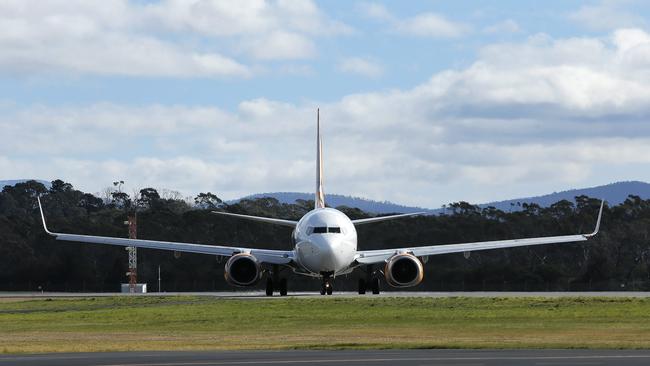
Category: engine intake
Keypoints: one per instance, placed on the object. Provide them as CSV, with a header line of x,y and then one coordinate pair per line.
x,y
403,270
243,270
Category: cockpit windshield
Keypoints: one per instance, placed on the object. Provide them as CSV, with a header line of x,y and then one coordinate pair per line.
x,y
324,229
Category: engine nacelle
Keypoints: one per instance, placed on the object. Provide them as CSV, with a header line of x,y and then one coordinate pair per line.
x,y
243,270
403,270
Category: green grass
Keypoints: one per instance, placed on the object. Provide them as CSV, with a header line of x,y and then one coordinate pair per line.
x,y
183,323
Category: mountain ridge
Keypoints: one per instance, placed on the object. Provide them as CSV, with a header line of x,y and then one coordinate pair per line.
x,y
614,193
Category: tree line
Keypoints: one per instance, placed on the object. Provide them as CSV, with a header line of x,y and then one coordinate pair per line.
x,y
616,259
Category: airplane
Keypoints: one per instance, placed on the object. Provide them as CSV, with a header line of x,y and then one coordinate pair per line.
x,y
324,246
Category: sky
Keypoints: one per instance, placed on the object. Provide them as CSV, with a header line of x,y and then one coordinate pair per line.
x,y
422,102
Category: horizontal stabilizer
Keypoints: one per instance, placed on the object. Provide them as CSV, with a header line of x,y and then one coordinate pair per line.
x,y
268,220
384,218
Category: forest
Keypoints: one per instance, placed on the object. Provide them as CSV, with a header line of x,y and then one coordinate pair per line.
x,y
30,260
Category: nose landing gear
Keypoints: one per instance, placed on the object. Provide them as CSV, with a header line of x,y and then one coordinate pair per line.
x,y
326,287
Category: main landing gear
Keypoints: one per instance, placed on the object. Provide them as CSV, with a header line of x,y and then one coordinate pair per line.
x,y
370,282
274,282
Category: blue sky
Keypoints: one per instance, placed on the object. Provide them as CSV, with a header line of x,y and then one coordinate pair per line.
x,y
423,102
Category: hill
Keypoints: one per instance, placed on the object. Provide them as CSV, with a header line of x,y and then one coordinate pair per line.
x,y
335,200
614,194
13,182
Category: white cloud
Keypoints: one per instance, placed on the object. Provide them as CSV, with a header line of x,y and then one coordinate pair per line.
x,y
524,118
361,66
170,38
376,11
426,24
431,25
78,37
607,15
282,45
267,30
508,26
249,17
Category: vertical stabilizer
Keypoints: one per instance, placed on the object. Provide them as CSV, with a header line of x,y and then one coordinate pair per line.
x,y
319,199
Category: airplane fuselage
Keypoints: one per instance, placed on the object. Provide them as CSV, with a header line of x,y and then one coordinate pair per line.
x,y
325,242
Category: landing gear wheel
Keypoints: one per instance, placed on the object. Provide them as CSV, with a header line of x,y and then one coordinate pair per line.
x,y
362,286
322,289
269,286
375,286
283,287
328,288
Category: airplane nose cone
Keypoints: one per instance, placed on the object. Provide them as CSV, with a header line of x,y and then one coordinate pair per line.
x,y
323,254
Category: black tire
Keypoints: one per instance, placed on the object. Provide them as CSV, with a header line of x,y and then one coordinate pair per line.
x,y
283,287
375,286
322,289
269,286
329,289
362,286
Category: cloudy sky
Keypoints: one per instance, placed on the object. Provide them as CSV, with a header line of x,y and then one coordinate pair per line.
x,y
422,102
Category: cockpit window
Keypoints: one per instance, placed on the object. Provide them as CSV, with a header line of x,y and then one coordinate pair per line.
x,y
323,230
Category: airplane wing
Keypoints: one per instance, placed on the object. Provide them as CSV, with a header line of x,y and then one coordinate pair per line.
x,y
264,255
378,256
384,218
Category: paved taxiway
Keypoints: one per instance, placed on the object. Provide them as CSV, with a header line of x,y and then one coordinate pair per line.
x,y
261,295
392,357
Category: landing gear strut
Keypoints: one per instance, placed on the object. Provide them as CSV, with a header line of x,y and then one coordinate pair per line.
x,y
375,285
283,287
326,287
273,280
371,282
269,286
362,286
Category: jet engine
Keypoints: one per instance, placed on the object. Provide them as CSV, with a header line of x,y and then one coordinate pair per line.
x,y
243,270
403,270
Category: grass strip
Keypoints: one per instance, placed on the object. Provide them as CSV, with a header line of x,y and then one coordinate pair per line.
x,y
205,323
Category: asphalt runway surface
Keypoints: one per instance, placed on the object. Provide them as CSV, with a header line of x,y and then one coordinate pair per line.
x,y
389,357
262,295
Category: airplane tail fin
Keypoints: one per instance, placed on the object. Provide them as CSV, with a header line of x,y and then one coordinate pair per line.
x,y
319,199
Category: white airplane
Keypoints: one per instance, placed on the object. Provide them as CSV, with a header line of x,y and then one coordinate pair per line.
x,y
325,246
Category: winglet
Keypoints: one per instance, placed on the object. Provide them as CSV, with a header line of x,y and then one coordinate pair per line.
x,y
600,215
40,207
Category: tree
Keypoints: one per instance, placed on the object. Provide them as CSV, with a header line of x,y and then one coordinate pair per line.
x,y
59,186
208,201
148,197
121,200
91,203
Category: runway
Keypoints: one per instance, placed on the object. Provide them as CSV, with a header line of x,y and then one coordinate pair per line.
x,y
361,358
262,295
